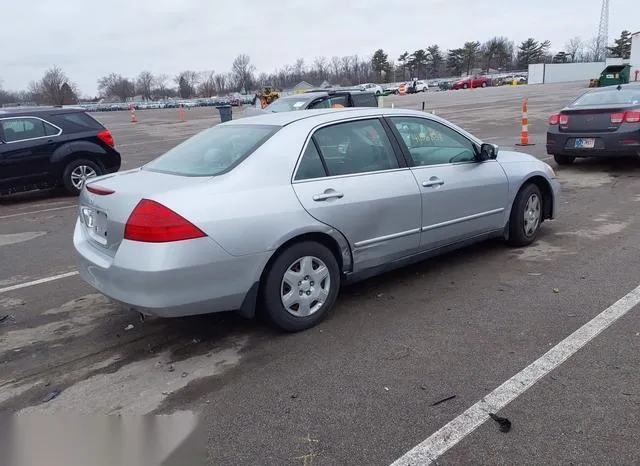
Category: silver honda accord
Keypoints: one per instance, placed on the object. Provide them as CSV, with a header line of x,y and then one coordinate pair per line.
x,y
277,211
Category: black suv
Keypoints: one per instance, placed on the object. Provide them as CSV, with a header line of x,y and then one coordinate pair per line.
x,y
322,99
53,146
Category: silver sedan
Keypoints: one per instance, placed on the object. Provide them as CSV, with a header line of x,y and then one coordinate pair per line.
x,y
277,211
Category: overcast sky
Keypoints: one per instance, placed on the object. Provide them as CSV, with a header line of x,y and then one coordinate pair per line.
x,y
90,38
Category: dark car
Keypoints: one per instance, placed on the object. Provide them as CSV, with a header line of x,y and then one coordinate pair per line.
x,y
602,122
324,99
49,147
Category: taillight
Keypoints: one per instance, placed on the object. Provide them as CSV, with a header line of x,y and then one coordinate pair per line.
x,y
558,118
99,190
106,137
151,222
617,118
632,117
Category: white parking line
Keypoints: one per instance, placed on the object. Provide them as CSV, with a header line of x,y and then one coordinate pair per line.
x,y
37,282
456,430
37,211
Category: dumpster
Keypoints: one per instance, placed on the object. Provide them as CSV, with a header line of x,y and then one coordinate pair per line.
x,y
615,74
225,112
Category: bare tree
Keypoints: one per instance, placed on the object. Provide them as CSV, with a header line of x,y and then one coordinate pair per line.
x,y
54,88
243,70
160,87
335,66
320,65
220,82
207,84
574,48
116,85
187,82
144,84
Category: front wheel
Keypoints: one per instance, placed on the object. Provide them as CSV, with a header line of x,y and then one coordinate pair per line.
x,y
564,159
301,286
526,216
77,173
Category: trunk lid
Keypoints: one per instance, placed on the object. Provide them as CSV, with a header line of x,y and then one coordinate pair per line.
x,y
104,217
596,119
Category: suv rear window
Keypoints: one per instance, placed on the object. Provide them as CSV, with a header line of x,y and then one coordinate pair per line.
x,y
213,151
366,99
79,121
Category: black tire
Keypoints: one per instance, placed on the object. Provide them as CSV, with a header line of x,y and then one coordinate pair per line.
x,y
465,87
564,159
484,84
518,235
67,174
273,286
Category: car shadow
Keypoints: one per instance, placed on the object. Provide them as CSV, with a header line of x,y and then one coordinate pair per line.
x,y
38,195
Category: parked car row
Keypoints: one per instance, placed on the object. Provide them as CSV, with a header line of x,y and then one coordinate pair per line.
x,y
147,105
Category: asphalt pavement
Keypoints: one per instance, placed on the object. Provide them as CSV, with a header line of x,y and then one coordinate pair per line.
x,y
400,356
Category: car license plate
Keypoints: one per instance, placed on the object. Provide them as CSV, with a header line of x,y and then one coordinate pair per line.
x,y
585,143
96,223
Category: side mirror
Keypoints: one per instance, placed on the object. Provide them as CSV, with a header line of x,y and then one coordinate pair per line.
x,y
488,152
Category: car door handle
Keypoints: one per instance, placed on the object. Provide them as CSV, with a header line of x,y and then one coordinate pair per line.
x,y
432,182
328,194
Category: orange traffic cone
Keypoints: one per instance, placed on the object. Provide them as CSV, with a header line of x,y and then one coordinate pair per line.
x,y
133,114
524,132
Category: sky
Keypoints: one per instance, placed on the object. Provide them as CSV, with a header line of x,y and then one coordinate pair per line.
x,y
89,39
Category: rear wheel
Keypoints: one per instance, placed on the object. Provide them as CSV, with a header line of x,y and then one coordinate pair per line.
x,y
484,84
301,286
526,216
564,159
77,173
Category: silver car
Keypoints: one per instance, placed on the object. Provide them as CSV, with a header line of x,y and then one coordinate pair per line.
x,y
278,211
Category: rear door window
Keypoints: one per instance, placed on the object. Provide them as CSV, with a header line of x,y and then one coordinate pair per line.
x,y
356,147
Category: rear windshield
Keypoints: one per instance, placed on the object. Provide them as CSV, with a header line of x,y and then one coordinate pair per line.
x,y
213,151
613,97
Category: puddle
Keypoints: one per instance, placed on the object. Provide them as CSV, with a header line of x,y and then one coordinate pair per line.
x,y
139,387
84,314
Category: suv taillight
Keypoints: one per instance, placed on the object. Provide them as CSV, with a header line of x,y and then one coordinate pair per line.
x,y
106,137
151,222
553,119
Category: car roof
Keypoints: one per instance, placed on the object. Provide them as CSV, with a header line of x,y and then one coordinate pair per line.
x,y
322,115
305,95
631,85
20,111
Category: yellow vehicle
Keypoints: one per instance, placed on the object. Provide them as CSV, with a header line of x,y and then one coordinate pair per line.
x,y
267,95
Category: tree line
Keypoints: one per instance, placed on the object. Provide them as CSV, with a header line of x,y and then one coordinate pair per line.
x,y
498,53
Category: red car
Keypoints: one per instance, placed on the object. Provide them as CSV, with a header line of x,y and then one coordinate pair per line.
x,y
472,82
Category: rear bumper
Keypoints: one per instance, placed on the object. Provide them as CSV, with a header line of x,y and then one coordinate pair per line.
x,y
615,144
169,279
